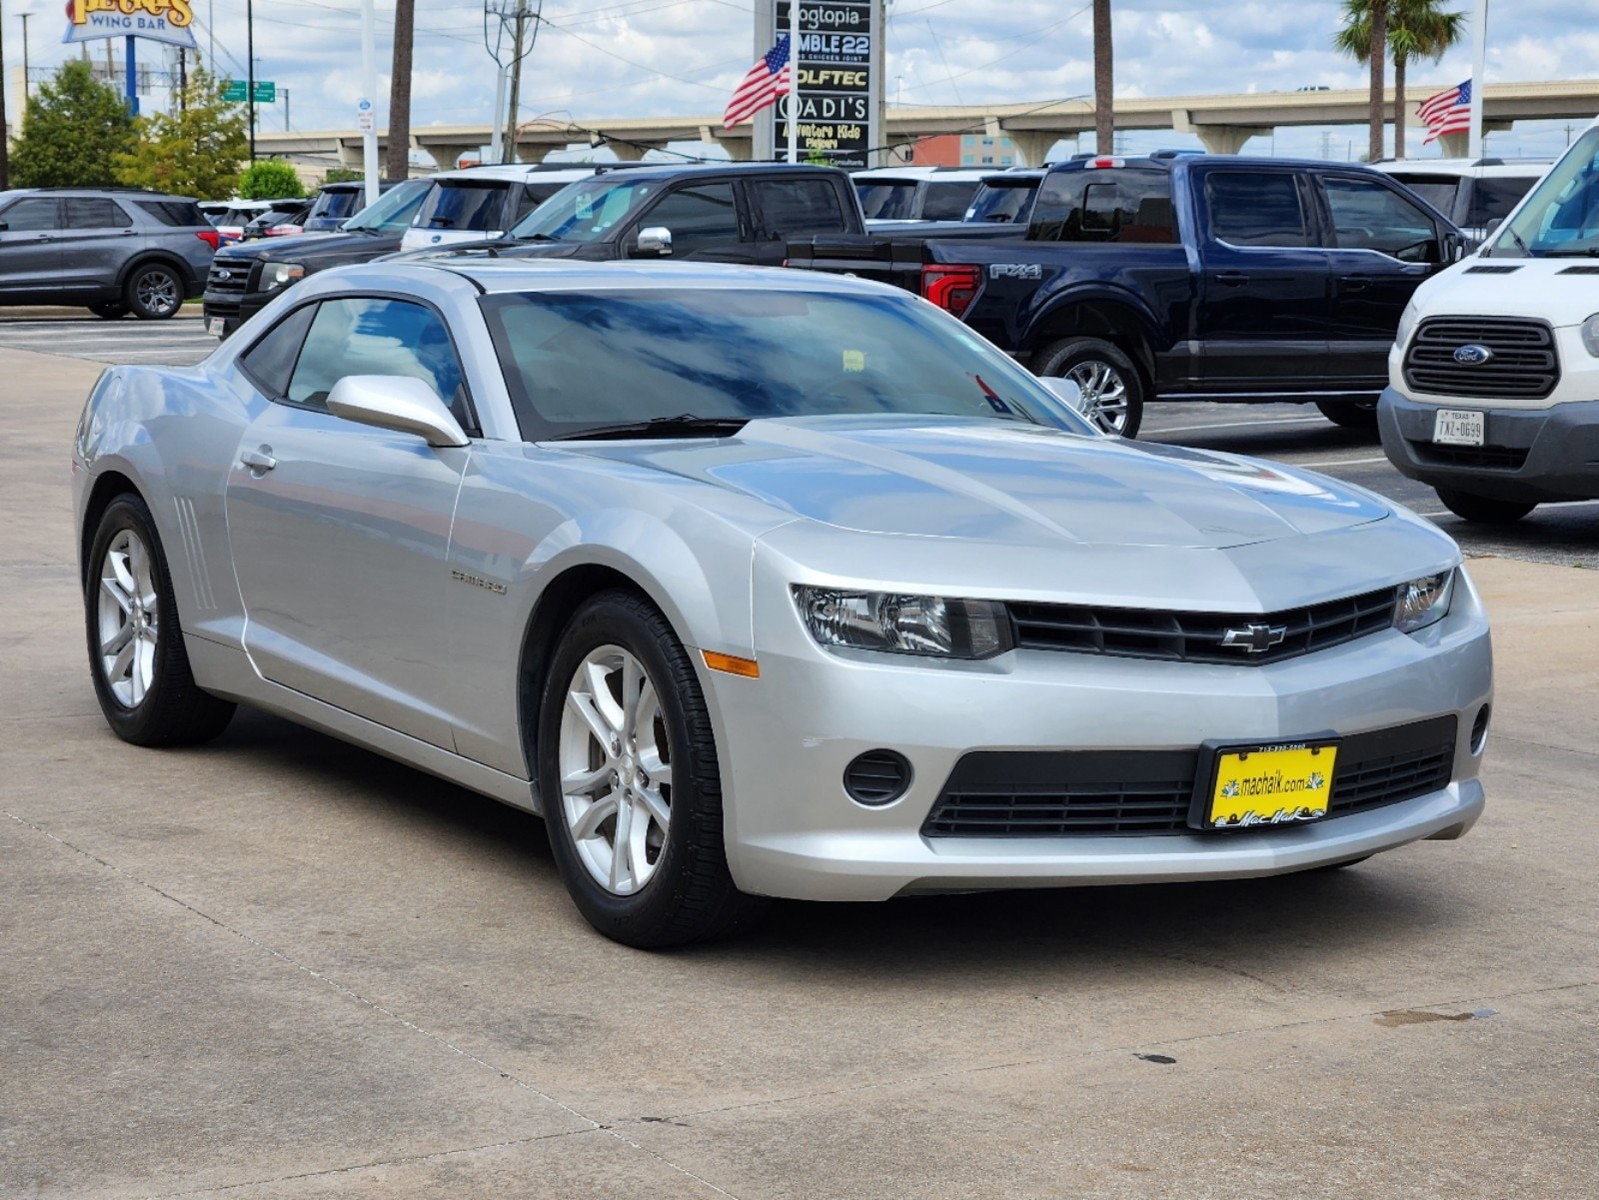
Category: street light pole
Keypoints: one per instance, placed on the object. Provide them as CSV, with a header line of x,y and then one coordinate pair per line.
x,y
5,159
369,84
249,68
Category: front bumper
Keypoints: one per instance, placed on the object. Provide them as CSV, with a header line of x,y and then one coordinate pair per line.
x,y
1531,454
234,308
786,738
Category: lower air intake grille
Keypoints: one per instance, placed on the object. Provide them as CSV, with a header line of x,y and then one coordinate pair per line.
x,y
1076,792
1498,458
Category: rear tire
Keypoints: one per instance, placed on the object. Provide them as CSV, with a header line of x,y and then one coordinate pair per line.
x,y
619,673
1113,389
1351,414
109,310
153,292
1484,510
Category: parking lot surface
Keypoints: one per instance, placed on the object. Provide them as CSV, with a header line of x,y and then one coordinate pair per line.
x,y
279,966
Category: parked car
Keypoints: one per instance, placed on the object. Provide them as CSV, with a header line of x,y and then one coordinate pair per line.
x,y
767,584
482,203
282,218
1493,394
112,250
1006,198
231,223
706,212
336,203
244,279
917,193
1472,193
1193,277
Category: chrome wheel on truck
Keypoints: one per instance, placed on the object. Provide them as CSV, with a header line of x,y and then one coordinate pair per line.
x,y
1113,389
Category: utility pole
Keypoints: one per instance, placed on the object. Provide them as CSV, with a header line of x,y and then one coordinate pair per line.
x,y
399,156
1104,81
369,85
249,60
285,109
183,79
5,128
22,115
519,31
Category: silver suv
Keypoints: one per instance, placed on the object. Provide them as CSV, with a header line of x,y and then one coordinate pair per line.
x,y
113,250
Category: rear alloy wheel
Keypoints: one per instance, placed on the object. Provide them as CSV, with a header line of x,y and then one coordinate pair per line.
x,y
1351,414
109,310
1113,390
154,292
1484,510
629,781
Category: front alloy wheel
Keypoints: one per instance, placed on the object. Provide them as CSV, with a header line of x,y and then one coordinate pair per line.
x,y
155,292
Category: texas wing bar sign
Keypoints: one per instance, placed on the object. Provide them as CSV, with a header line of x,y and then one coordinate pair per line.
x,y
837,100
158,20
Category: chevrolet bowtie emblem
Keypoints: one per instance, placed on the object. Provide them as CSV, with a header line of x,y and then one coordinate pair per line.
x,y
1255,639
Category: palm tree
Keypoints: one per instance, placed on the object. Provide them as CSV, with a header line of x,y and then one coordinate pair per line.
x,y
1414,29
1104,110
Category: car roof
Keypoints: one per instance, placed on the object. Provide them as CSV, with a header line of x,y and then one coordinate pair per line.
x,y
519,172
1466,168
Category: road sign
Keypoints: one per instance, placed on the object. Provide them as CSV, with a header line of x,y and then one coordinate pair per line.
x,y
840,75
236,92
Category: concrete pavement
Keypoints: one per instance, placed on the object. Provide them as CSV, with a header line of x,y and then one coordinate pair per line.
x,y
279,966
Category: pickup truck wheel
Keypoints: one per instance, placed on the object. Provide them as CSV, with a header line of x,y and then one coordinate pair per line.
x,y
1113,390
1351,414
1483,510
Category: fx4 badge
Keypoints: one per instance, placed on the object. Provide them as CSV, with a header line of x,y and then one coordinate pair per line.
x,y
1016,271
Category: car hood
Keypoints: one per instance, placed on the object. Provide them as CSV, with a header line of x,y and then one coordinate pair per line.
x,y
1538,288
319,251
1003,482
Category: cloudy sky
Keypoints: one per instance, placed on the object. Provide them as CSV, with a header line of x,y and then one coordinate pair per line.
x,y
598,58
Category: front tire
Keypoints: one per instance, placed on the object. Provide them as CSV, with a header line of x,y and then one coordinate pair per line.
x,y
153,292
1483,510
1113,388
630,784
1350,414
136,653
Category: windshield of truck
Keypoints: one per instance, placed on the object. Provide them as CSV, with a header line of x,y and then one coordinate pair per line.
x,y
392,211
1005,202
888,199
586,211
478,205
1561,216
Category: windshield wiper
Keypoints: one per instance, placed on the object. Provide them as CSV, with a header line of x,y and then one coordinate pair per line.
x,y
683,425
1585,252
534,237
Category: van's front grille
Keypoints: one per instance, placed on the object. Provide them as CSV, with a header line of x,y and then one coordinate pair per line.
x,y
1520,364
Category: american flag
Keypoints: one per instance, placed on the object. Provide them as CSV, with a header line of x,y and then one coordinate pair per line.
x,y
768,79
1447,112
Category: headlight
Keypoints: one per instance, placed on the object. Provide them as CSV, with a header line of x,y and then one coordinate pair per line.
x,y
275,275
1590,334
900,624
1407,322
1423,602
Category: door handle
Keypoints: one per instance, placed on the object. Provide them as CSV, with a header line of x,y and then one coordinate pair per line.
x,y
1231,278
1355,283
259,461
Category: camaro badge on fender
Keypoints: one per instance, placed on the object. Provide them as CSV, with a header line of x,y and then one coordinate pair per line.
x,y
487,585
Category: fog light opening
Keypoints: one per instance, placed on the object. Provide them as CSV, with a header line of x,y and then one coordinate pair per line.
x,y
1479,729
877,777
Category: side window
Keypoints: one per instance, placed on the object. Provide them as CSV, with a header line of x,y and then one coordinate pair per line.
x,y
1492,199
795,207
270,362
34,214
1256,208
699,217
181,213
1368,216
85,212
1126,206
371,336
947,201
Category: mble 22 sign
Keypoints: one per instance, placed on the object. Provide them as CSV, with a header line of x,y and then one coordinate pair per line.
x,y
840,82
158,20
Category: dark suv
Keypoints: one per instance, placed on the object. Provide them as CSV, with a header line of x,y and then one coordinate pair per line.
x,y
113,250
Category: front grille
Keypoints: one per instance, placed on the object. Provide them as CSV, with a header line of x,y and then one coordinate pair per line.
x,y
237,276
1523,363
1497,458
1075,792
1199,637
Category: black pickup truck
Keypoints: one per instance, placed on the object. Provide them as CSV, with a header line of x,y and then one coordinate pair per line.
x,y
1190,278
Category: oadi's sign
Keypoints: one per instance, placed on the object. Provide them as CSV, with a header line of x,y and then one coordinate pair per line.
x,y
159,20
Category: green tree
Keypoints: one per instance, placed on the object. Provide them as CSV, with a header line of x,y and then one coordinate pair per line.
x,y
1414,29
73,132
196,150
270,179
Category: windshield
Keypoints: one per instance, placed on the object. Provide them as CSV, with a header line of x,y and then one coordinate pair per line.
x,y
392,211
337,204
888,200
583,361
947,201
1005,202
1561,216
478,206
585,211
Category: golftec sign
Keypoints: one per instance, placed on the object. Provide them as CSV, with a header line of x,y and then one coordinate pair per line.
x,y
159,20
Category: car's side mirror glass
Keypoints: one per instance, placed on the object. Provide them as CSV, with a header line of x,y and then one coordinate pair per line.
x,y
400,403
655,239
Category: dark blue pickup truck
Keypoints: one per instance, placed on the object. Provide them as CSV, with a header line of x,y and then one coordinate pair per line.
x,y
1190,278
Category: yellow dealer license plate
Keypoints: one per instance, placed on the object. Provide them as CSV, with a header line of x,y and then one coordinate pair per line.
x,y
1267,785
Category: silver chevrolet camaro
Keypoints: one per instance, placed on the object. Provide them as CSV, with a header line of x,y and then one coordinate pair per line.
x,y
767,584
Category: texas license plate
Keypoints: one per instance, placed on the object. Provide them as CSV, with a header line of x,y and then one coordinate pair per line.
x,y
1267,785
215,327
1457,427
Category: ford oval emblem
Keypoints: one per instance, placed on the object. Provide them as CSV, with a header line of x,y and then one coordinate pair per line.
x,y
1473,355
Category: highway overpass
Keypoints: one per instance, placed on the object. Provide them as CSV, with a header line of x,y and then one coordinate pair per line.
x,y
1224,124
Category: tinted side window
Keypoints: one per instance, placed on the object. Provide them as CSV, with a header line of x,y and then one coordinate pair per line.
x,y
947,201
793,207
270,362
1492,199
699,217
369,336
86,213
1367,216
183,214
1256,208
30,215
1127,206
474,206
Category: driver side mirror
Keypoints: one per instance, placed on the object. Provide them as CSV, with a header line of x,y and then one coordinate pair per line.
x,y
656,239
399,403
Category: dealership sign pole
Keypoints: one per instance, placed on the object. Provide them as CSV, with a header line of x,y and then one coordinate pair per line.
x,y
159,20
834,115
